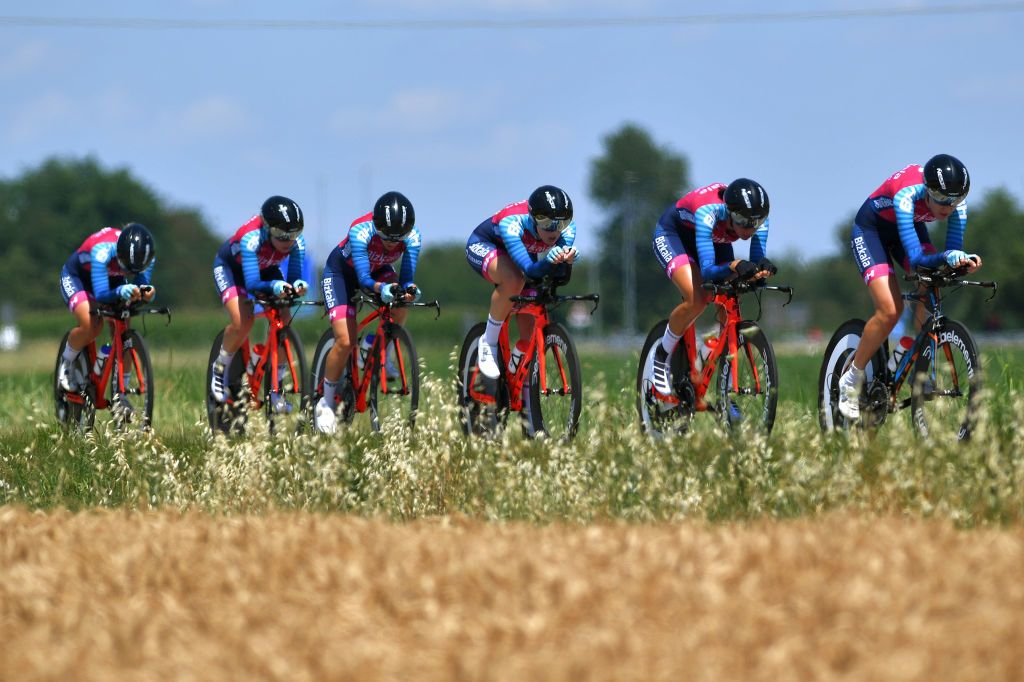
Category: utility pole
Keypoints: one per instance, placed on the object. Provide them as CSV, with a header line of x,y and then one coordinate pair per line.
x,y
629,256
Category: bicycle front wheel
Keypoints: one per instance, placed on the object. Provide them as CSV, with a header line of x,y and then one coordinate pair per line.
x,y
286,405
394,379
555,399
483,401
345,407
945,392
132,401
749,399
230,416
76,410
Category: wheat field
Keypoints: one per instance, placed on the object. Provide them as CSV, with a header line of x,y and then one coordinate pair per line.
x,y
298,596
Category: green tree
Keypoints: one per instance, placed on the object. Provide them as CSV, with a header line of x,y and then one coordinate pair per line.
x,y
634,181
49,210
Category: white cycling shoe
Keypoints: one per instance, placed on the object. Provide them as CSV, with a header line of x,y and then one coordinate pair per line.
x,y
324,418
485,360
849,395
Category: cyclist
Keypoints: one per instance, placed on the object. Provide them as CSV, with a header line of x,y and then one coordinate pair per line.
x,y
98,271
248,262
363,260
505,250
700,228
889,226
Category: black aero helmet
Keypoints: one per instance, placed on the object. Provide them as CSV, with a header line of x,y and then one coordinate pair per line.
x,y
282,217
551,203
393,216
946,179
135,248
747,202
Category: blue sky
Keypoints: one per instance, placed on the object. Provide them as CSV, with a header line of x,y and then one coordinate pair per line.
x,y
465,121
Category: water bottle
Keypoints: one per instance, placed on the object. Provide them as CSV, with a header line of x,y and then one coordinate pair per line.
x,y
364,349
101,357
901,347
254,358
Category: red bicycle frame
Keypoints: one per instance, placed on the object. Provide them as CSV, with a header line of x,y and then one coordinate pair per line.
x,y
268,354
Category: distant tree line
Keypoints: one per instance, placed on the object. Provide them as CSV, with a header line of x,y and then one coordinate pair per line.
x,y
49,210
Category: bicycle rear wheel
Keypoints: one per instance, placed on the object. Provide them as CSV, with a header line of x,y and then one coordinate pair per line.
x,y
749,399
77,410
345,395
394,379
484,401
554,404
289,406
945,394
132,407
658,417
230,416
838,357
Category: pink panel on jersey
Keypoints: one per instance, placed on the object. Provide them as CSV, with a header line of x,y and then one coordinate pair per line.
x,y
681,259
711,194
78,298
254,223
518,208
232,292
340,311
494,253
107,234
905,177
876,271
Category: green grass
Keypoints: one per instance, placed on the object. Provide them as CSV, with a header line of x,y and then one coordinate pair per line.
x,y
610,471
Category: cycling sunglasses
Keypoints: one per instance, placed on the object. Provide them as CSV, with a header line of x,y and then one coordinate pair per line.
x,y
946,199
385,238
551,225
747,223
284,235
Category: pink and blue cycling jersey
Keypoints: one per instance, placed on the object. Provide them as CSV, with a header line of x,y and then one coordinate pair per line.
x,y
363,249
95,261
899,204
249,252
514,230
702,216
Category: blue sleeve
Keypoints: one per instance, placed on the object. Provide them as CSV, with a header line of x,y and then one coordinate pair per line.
x,y
956,227
411,257
568,236
145,277
903,205
296,259
99,258
249,245
510,229
759,243
705,218
359,237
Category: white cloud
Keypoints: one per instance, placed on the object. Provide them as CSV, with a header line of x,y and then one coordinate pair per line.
x,y
41,115
419,110
23,59
215,115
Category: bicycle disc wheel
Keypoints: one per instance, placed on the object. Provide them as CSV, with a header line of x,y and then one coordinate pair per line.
x,y
657,417
483,401
230,416
554,404
288,406
945,394
394,380
133,407
749,399
79,414
346,407
838,357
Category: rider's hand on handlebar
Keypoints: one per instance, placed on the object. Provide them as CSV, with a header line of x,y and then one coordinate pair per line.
x,y
147,292
765,268
300,287
388,292
413,293
282,289
127,292
744,269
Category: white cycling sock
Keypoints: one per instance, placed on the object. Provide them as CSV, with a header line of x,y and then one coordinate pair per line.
x,y
70,354
225,358
493,331
330,389
670,340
